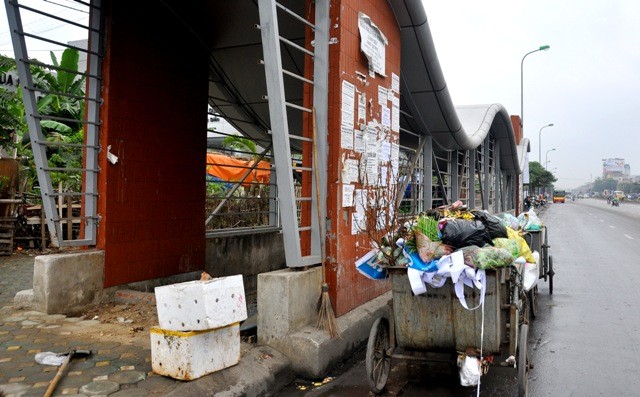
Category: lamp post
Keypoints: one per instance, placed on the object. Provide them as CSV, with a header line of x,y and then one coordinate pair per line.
x,y
540,142
541,48
546,157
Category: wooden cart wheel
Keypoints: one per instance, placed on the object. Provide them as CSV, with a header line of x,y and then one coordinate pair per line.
x,y
550,272
378,360
533,302
523,361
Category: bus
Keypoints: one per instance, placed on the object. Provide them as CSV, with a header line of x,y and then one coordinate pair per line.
x,y
558,196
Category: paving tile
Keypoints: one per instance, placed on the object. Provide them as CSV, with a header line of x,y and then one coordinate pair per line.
x,y
127,377
101,387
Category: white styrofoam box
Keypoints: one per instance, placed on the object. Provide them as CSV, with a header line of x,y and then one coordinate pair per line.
x,y
201,305
190,355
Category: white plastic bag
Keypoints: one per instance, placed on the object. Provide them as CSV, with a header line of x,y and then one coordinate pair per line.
x,y
531,273
470,371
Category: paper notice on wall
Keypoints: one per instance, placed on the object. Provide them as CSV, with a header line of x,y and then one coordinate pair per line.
x,y
346,137
395,83
383,97
373,44
384,175
372,171
362,107
358,141
358,223
395,118
385,152
347,195
360,197
348,103
350,171
386,116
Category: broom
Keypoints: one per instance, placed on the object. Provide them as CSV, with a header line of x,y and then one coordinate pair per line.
x,y
326,316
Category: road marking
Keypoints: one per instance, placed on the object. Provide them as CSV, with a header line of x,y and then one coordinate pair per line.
x,y
613,227
627,236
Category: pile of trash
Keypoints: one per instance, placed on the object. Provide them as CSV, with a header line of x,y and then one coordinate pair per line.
x,y
454,242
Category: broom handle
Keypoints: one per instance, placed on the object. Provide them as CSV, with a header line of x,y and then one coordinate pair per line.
x,y
59,374
317,180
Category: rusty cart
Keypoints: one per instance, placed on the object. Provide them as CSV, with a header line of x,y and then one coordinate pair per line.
x,y
435,327
538,240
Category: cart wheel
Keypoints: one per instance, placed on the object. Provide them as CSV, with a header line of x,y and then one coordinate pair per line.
x,y
545,255
551,273
378,361
523,361
533,302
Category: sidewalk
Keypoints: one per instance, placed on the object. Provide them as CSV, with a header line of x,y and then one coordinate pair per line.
x,y
121,361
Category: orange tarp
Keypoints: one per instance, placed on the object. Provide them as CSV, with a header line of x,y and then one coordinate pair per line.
x,y
229,169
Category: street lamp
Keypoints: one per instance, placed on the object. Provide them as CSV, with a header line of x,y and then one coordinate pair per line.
x,y
542,48
540,142
546,157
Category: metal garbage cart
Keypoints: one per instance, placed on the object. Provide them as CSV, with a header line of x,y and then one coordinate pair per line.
x,y
434,327
538,240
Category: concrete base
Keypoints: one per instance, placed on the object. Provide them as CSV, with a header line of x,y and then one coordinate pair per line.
x,y
313,354
287,301
23,299
68,283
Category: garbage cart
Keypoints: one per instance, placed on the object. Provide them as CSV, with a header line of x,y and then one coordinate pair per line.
x,y
538,240
435,327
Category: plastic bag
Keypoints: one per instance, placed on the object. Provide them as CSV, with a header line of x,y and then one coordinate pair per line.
x,y
509,220
470,371
460,233
487,257
525,251
492,257
492,223
508,244
429,250
529,221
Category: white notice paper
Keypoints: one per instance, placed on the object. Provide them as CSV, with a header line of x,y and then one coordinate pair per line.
x,y
358,141
383,97
395,82
362,108
350,171
347,195
395,118
346,137
348,103
386,117
372,43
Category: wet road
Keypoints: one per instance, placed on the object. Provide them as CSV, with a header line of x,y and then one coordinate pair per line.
x,y
585,340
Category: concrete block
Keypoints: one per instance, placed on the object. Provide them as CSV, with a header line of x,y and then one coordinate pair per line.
x,y
68,283
23,299
287,301
313,353
201,305
190,355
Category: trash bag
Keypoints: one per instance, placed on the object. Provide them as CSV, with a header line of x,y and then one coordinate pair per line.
x,y
492,223
525,251
470,371
429,250
529,221
508,220
460,233
487,257
508,244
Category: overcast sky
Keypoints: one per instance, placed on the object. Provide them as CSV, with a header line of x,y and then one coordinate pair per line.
x,y
587,84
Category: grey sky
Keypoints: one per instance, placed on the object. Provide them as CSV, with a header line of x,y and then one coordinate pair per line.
x,y
587,84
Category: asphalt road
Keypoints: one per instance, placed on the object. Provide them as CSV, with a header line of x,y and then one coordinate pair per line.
x,y
585,339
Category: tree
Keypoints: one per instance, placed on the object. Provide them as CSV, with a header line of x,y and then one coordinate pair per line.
x,y
64,90
600,185
539,177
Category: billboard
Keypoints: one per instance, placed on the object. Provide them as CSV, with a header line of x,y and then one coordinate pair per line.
x,y
612,165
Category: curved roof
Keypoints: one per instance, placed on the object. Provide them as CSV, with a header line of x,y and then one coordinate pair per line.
x,y
427,108
426,96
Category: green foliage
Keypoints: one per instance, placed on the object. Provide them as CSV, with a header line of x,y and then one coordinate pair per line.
x,y
539,177
240,144
63,87
600,185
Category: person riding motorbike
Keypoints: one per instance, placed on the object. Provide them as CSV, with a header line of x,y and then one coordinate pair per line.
x,y
615,202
